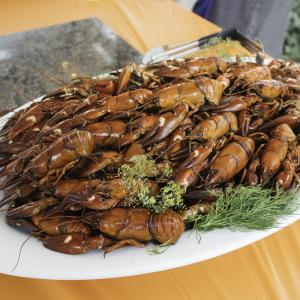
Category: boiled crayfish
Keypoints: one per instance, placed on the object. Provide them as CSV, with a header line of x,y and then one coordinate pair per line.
x,y
204,124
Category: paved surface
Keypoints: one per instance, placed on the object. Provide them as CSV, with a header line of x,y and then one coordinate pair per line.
x,y
35,62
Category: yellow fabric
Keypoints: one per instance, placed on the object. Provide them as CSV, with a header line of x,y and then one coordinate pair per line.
x,y
268,269
142,23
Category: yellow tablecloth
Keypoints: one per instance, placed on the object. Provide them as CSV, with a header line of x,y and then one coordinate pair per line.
x,y
268,269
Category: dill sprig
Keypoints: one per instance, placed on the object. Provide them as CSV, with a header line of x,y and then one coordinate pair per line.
x,y
140,168
158,249
136,180
169,196
245,208
167,171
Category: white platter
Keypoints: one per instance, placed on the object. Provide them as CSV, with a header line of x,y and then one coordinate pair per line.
x,y
38,262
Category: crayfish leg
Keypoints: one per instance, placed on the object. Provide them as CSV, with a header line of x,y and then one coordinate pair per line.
x,y
121,244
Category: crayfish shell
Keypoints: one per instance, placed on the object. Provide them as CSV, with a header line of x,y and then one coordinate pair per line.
x,y
167,227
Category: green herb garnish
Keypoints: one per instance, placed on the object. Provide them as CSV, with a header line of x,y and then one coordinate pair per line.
x,y
137,183
170,196
158,249
141,167
244,208
168,171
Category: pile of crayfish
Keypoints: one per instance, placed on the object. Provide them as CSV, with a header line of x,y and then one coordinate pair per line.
x,y
217,124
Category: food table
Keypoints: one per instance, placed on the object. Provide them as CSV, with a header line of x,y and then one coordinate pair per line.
x,y
267,269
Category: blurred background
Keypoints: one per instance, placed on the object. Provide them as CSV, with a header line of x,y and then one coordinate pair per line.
x,y
291,48
291,45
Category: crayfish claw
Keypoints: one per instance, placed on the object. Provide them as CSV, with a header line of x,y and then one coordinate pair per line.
x,y
75,243
25,224
91,200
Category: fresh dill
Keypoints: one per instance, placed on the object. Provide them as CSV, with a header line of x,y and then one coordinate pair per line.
x,y
170,196
135,176
167,171
141,166
246,208
158,249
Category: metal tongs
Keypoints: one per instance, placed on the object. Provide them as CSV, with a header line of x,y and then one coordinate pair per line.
x,y
161,53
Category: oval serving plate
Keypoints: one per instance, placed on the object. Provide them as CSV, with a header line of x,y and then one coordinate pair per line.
x,y
20,256
35,261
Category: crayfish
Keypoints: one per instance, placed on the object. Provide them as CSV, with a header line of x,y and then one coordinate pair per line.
x,y
126,159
